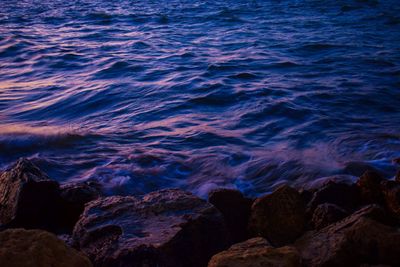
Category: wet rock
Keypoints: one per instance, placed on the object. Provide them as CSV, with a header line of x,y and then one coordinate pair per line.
x,y
28,198
341,194
370,189
397,177
278,217
357,168
74,197
164,228
256,252
317,184
33,248
391,192
357,239
326,214
236,211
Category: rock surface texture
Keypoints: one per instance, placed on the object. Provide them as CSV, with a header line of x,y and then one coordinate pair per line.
x,y
28,198
256,252
279,217
37,248
164,228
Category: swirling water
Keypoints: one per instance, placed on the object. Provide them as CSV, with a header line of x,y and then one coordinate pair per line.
x,y
142,95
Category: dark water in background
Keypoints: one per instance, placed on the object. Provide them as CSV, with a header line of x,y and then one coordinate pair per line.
x,y
143,95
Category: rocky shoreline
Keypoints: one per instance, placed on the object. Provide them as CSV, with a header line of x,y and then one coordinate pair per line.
x,y
332,222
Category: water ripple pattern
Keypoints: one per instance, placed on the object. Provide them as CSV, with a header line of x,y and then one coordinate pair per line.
x,y
142,95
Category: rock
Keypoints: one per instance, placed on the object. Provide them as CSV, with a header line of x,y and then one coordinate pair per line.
x,y
369,184
397,177
278,217
349,196
236,211
28,198
74,197
33,248
314,185
357,168
357,239
164,228
326,214
256,252
391,192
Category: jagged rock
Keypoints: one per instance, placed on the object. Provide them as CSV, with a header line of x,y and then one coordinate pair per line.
x,y
326,214
236,211
74,197
357,239
391,192
317,184
278,217
341,194
28,198
33,248
369,184
256,252
164,228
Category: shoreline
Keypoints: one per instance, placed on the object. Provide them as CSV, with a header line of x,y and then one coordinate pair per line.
x,y
329,222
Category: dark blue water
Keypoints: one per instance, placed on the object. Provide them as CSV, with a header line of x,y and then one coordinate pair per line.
x,y
142,95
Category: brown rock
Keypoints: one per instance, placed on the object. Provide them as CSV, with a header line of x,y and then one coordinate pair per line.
x,y
369,184
236,211
326,214
256,252
357,239
74,197
391,192
278,217
349,196
28,198
33,248
164,228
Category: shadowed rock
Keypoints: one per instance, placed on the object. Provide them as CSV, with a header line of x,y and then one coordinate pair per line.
x,y
357,239
33,248
74,197
28,198
391,192
236,210
278,217
256,252
326,214
343,195
369,184
164,228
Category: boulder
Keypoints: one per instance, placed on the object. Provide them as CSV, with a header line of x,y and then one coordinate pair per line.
x,y
33,248
357,239
369,184
256,252
329,193
326,214
236,211
391,192
28,198
279,217
164,228
397,177
357,168
74,197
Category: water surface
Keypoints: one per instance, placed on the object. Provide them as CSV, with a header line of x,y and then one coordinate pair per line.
x,y
143,95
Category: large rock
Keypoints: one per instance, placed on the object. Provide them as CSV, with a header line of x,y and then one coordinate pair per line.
x,y
357,239
256,252
341,194
74,197
28,198
278,217
326,214
370,189
391,192
236,210
164,228
34,248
